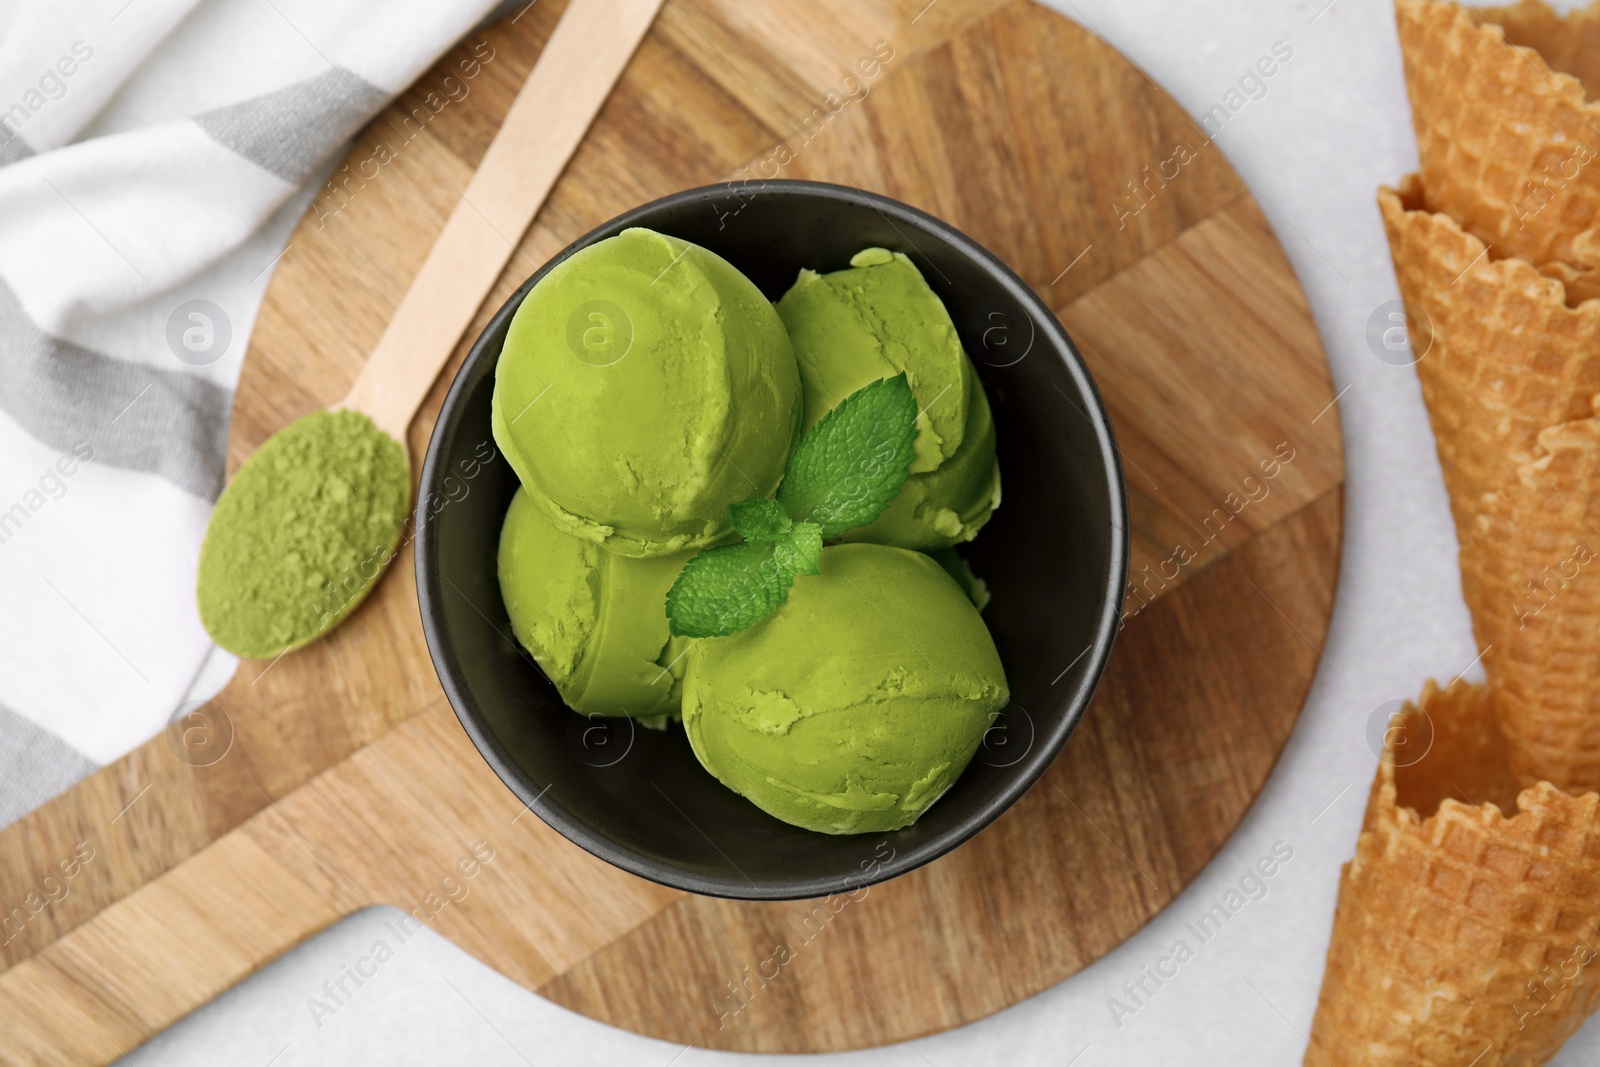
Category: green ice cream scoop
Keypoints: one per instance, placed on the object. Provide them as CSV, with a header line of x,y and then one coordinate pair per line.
x,y
646,385
594,621
878,318
856,705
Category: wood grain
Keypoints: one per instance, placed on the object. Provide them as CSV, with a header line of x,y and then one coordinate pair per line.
x,y
345,779
1223,289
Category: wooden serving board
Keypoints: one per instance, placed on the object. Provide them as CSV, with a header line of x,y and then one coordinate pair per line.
x,y
338,778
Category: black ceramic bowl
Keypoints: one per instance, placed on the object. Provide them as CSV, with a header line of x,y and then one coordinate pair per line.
x,y
1054,556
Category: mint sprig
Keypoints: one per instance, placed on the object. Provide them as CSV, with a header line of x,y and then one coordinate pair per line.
x,y
854,461
846,470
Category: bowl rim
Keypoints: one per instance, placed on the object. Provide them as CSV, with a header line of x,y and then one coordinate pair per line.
x,y
1046,747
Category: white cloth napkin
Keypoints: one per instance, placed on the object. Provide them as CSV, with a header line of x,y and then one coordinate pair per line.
x,y
154,156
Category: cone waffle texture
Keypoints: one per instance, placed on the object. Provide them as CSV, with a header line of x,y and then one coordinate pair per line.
x,y
1462,936
1503,356
1544,528
1509,146
1567,42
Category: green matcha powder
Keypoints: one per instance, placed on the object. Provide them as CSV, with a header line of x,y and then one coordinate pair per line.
x,y
302,532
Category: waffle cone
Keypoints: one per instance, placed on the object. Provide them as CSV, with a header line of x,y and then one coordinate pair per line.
x,y
1569,43
1545,528
1581,284
1503,356
1509,146
1462,936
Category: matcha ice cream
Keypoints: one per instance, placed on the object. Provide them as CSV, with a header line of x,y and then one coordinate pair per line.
x,y
594,620
646,385
876,319
957,567
856,705
646,394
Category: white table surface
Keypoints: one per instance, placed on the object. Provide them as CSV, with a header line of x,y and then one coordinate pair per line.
x,y
1332,125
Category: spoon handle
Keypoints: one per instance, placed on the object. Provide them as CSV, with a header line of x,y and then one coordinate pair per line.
x,y
551,113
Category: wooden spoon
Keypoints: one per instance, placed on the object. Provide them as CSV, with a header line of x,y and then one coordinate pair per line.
x,y
586,54
580,64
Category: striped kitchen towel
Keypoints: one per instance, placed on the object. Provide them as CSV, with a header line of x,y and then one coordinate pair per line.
x,y
154,155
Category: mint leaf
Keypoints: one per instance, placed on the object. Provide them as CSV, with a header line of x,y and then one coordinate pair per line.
x,y
761,520
844,473
853,462
724,590
801,551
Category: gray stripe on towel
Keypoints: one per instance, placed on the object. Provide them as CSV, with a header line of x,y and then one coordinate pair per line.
x,y
165,422
35,765
290,131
